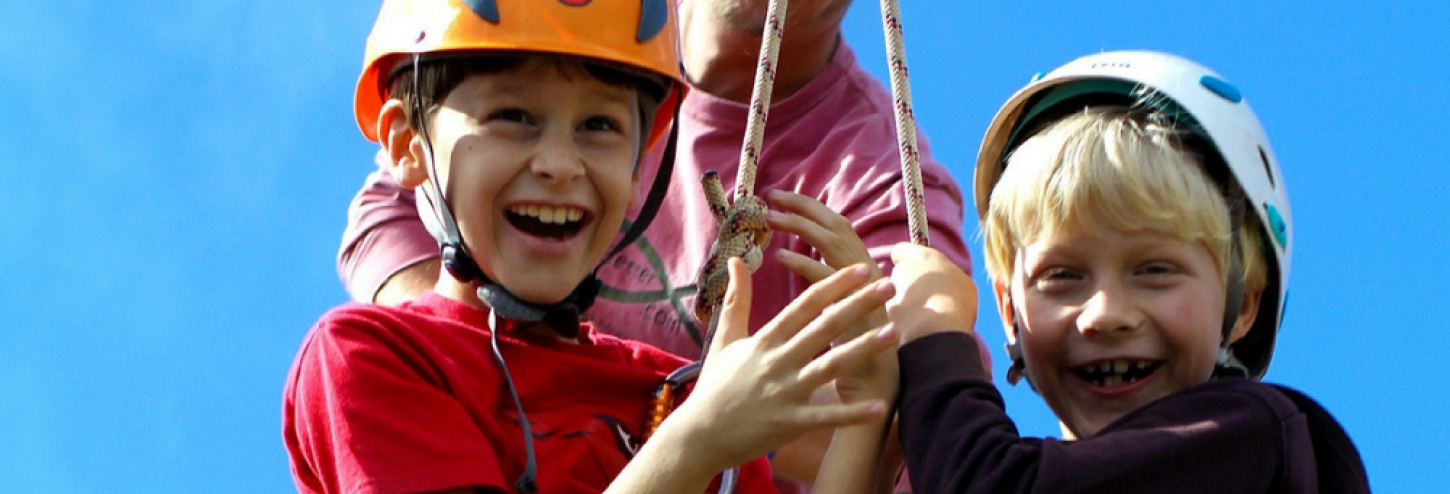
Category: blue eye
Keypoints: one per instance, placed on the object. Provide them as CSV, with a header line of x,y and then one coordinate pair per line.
x,y
1153,269
1056,279
1060,274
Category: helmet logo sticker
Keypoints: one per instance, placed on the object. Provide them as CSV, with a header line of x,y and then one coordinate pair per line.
x,y
1221,88
1277,227
487,9
652,14
652,17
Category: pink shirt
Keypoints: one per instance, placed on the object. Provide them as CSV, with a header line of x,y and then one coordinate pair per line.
x,y
833,140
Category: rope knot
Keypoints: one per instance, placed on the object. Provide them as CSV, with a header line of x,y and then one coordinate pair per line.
x,y
742,233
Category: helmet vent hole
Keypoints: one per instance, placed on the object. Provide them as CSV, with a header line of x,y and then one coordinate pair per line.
x,y
1268,169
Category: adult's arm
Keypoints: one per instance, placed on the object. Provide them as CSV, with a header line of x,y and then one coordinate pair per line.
x,y
386,255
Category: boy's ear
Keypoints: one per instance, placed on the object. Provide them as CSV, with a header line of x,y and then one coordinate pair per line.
x,y
1248,312
1003,291
405,160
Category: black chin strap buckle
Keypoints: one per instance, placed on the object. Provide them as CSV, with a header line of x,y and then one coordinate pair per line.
x,y
458,263
562,317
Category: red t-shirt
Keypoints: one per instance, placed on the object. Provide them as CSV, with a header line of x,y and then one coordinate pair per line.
x,y
410,399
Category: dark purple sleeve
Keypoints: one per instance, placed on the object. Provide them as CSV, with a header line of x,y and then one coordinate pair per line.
x,y
384,235
957,437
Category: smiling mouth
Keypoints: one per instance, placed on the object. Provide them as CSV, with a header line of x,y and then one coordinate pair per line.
x,y
1112,373
555,223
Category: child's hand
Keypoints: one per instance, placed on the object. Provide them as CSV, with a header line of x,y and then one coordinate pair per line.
x,y
833,237
754,393
934,295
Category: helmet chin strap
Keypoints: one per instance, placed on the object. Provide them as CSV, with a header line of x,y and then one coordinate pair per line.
x,y
1018,370
1226,365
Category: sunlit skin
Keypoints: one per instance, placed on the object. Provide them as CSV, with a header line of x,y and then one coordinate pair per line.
x,y
1149,300
532,138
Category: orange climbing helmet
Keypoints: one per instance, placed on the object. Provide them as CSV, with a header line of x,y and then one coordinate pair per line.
x,y
641,34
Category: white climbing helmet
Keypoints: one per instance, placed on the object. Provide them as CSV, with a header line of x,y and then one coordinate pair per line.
x,y
1222,117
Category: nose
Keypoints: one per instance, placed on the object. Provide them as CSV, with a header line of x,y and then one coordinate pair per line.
x,y
557,158
1108,311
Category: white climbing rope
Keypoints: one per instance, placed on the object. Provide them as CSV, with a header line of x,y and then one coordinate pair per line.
x,y
760,97
905,122
900,94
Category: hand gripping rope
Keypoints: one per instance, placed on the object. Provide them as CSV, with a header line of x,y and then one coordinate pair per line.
x,y
742,228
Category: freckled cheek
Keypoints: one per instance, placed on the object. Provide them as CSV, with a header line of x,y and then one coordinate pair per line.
x,y
1186,311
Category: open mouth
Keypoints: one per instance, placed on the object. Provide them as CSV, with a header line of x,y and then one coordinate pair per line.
x,y
551,222
1112,373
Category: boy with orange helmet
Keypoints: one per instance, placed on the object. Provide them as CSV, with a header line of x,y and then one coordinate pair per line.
x,y
524,124
829,167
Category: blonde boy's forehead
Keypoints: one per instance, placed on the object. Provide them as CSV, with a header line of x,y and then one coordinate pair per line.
x,y
1099,171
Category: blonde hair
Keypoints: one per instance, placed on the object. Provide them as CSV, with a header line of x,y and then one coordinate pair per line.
x,y
1113,168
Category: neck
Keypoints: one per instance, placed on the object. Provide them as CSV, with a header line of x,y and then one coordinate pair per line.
x,y
1067,434
721,53
450,287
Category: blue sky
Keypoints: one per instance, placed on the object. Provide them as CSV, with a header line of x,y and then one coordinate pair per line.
x,y
179,173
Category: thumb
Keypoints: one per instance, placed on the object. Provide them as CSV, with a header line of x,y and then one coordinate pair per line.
x,y
734,313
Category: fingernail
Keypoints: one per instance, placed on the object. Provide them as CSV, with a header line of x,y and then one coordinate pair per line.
x,y
887,332
886,288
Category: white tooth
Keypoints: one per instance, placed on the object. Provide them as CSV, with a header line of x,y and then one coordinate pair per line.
x,y
1105,367
533,210
1112,381
575,214
1120,366
546,214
